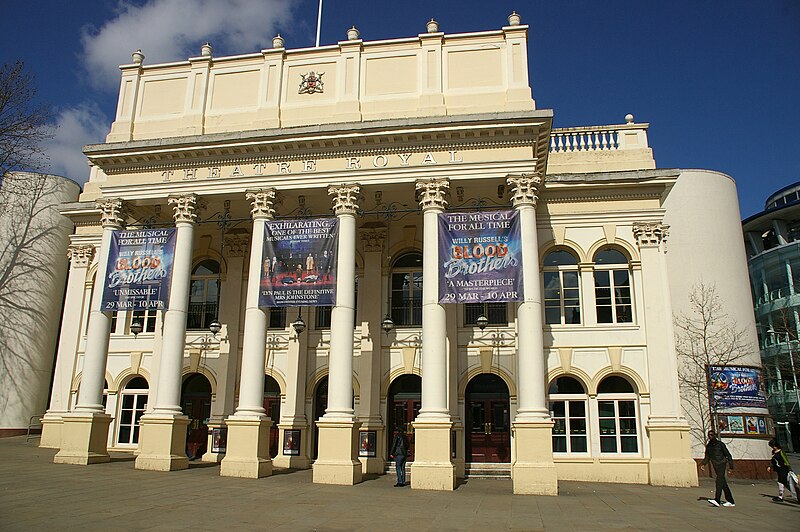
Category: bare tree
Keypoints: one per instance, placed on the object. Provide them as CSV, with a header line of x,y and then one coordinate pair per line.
x,y
24,124
705,336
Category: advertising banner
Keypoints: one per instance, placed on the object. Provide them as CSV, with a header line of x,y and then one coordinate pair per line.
x,y
299,266
139,270
736,386
480,257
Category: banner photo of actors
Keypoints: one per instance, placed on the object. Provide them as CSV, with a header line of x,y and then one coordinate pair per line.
x,y
139,270
480,257
299,266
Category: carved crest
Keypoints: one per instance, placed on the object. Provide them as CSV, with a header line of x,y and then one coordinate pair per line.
x,y
312,82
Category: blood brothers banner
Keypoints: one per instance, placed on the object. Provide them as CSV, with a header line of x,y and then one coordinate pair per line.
x,y
736,386
139,270
480,256
299,263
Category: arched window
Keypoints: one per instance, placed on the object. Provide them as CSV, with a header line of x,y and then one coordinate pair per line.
x,y
133,402
562,300
204,295
612,287
568,409
406,290
618,414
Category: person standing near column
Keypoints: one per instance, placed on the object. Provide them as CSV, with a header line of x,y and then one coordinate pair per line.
x,y
719,456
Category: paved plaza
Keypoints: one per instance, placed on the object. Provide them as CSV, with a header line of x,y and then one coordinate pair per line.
x,y
36,494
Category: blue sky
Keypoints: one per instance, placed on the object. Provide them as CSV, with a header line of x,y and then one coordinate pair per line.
x,y
718,81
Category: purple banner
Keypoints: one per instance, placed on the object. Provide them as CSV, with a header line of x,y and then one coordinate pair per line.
x,y
480,257
139,270
736,386
299,266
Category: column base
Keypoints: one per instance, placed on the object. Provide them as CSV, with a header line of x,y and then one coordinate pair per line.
x,y
432,468
247,455
52,423
84,439
162,442
533,471
337,461
671,462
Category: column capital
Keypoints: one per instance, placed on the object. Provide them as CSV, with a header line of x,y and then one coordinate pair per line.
x,y
262,201
185,207
373,238
112,212
345,198
432,193
525,188
80,255
650,234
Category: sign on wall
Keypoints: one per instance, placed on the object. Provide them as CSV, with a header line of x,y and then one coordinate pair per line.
x,y
139,270
736,386
480,257
299,266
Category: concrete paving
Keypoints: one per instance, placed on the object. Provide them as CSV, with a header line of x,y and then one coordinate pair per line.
x,y
36,494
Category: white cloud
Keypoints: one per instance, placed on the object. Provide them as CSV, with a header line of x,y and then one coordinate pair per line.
x,y
171,30
75,128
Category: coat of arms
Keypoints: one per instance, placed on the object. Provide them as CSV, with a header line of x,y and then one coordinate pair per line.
x,y
312,82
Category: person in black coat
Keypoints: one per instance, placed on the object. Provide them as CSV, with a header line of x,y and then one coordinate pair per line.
x,y
399,451
719,456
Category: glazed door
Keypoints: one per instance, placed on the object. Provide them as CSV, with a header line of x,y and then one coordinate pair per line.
x,y
198,408
404,411
489,437
272,405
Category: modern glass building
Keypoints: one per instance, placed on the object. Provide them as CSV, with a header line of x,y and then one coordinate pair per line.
x,y
772,239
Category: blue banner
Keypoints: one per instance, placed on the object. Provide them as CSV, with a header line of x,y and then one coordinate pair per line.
x,y
139,270
736,386
480,257
299,263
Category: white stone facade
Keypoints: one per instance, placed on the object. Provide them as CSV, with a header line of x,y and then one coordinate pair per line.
x,y
401,130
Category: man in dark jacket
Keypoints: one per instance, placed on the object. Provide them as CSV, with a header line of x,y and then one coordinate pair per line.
x,y
399,452
719,456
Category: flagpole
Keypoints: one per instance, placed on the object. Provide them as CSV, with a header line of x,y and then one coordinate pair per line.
x,y
319,21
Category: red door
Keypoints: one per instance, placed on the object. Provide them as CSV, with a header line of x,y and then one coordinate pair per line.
x,y
404,411
488,420
272,405
196,403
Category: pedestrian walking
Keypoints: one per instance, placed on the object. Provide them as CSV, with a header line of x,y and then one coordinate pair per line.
x,y
780,465
399,452
719,456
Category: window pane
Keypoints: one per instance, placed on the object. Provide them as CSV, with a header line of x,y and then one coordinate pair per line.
x,y
606,408
578,444
608,427
124,434
277,318
627,426
577,426
557,408
560,258
629,445
627,409
559,426
577,409
127,401
610,256
559,444
604,315
608,445
552,314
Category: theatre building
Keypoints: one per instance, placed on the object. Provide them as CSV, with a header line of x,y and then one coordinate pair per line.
x,y
345,241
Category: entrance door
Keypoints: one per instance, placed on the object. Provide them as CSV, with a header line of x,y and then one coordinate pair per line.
x,y
272,405
489,437
196,403
405,400
320,405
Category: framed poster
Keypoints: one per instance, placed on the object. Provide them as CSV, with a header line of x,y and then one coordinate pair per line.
x,y
291,443
367,446
219,440
756,425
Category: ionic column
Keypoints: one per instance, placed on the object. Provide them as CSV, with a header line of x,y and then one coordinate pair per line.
x,y
432,468
80,257
162,441
337,461
533,471
671,462
85,431
247,454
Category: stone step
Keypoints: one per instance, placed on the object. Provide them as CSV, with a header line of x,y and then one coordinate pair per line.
x,y
472,470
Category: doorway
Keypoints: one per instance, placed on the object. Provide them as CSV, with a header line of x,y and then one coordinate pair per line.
x,y
272,406
196,403
404,402
488,420
320,404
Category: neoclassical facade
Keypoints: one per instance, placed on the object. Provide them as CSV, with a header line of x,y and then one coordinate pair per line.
x,y
578,380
